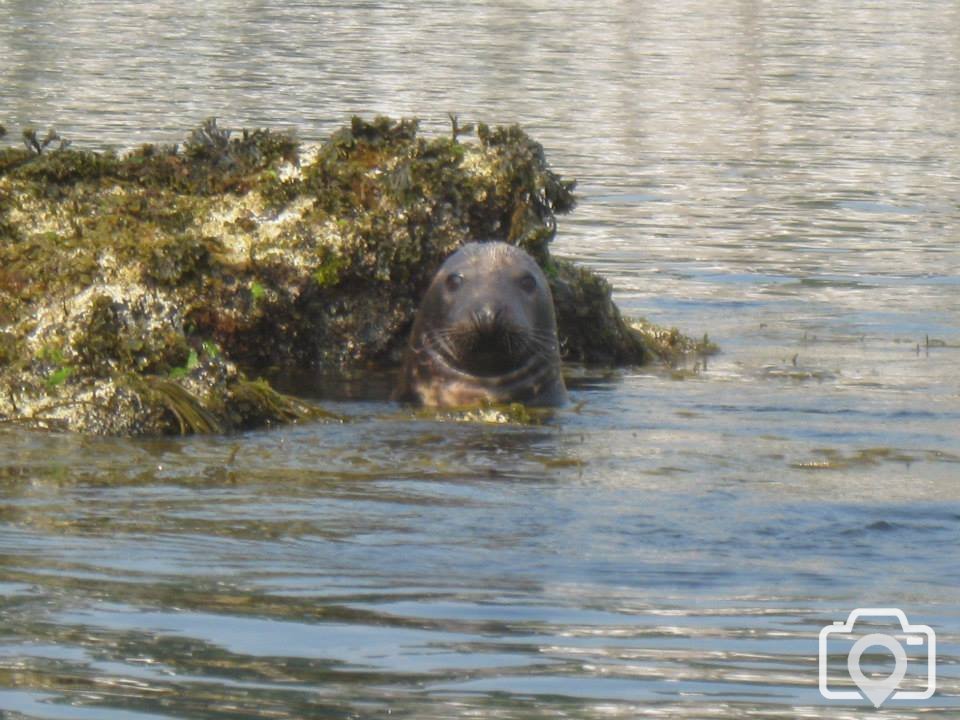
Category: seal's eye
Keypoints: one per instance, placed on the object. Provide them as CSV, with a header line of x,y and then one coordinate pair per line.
x,y
454,281
528,282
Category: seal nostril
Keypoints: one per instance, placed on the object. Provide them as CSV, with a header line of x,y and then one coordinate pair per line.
x,y
485,318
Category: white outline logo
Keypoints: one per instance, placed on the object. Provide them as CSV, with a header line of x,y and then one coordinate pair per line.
x,y
878,691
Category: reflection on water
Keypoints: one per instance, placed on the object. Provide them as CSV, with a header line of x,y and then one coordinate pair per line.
x,y
783,176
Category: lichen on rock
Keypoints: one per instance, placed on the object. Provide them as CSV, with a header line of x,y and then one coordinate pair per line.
x,y
140,292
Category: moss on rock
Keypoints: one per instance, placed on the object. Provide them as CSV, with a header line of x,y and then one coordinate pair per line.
x,y
139,291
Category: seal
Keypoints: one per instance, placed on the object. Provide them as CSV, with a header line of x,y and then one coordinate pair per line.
x,y
485,332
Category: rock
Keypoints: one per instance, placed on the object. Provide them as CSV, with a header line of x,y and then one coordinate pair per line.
x,y
140,292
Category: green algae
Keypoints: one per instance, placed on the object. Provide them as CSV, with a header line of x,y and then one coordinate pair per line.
x,y
165,276
490,413
832,459
186,409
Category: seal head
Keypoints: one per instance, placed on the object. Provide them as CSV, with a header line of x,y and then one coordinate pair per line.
x,y
485,332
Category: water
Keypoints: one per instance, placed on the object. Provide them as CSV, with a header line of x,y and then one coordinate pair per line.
x,y
783,176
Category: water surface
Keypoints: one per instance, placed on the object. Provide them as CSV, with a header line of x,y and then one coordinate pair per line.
x,y
783,176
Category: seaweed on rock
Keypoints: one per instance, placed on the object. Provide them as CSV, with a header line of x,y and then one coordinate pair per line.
x,y
139,291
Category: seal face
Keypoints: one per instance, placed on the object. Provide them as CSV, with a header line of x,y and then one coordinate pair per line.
x,y
485,331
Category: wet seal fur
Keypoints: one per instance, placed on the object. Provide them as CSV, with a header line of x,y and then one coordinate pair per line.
x,y
485,332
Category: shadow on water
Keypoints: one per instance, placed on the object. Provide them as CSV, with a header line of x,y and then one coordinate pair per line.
x,y
374,385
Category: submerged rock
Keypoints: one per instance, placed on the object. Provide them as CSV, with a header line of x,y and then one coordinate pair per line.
x,y
139,293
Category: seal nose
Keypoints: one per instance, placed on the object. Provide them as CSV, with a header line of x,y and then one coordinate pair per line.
x,y
486,317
